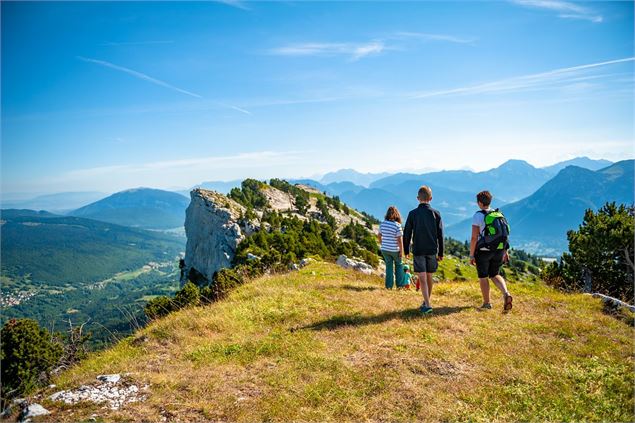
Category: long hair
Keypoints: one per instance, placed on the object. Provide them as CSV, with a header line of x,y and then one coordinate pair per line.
x,y
393,214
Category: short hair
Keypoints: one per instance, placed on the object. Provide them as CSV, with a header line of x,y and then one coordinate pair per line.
x,y
484,197
425,193
393,215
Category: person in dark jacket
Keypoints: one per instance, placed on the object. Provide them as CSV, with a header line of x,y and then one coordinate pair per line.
x,y
425,228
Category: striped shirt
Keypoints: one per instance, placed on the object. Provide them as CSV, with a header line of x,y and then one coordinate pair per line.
x,y
389,231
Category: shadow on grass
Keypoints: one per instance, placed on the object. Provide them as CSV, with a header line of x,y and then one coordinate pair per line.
x,y
361,320
359,288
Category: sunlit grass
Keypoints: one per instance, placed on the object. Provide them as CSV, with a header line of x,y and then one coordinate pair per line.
x,y
332,345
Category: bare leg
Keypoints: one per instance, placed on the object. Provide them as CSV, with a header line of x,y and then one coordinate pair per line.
x,y
424,289
484,289
500,284
429,280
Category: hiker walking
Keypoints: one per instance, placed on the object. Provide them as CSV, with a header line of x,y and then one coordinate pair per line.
x,y
488,248
425,228
390,235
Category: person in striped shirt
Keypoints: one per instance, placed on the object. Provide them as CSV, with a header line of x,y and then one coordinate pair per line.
x,y
390,237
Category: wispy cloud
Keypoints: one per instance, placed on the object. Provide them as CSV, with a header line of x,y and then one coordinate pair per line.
x,y
138,75
155,81
354,51
234,3
245,160
358,50
423,36
542,80
565,9
135,43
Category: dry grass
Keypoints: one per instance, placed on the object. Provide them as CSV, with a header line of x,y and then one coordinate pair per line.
x,y
331,345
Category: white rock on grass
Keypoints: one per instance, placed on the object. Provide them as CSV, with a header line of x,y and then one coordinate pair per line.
x,y
33,410
348,263
109,378
306,261
108,390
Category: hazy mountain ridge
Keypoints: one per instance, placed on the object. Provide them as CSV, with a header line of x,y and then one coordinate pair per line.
x,y
60,202
140,207
540,222
351,175
512,180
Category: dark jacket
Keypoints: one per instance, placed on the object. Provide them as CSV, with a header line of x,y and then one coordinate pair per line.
x,y
425,228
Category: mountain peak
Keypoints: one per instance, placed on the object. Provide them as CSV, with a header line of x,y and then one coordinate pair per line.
x,y
514,164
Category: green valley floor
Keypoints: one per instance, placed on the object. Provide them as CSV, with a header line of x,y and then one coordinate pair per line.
x,y
327,344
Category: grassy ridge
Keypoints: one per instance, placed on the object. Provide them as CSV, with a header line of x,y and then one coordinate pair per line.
x,y
329,344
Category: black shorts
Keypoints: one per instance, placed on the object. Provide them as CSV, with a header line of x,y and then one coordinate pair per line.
x,y
427,264
488,263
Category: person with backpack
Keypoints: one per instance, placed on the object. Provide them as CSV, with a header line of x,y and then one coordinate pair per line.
x,y
488,248
425,228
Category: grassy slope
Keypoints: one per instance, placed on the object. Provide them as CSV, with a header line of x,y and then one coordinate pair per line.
x,y
335,346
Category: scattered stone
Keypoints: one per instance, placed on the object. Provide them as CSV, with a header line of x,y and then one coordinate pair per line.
x,y
360,266
109,378
306,261
33,410
294,267
110,389
252,257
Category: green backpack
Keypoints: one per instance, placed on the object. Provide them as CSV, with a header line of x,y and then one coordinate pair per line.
x,y
496,233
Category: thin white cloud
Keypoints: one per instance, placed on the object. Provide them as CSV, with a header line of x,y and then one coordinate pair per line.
x,y
423,36
354,51
240,109
148,78
242,160
138,75
565,9
563,76
239,4
135,43
374,47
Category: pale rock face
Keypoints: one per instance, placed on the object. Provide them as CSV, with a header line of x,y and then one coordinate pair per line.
x,y
33,410
213,234
360,266
279,200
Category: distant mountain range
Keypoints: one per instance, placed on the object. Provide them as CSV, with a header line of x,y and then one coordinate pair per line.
x,y
454,190
350,175
61,202
540,222
141,207
583,162
513,180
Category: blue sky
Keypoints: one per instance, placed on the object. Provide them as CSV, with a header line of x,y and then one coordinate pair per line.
x,y
108,96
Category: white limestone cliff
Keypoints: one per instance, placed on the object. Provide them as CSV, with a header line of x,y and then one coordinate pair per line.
x,y
213,233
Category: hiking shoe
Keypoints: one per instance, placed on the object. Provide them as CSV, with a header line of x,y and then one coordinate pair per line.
x,y
508,302
425,309
486,306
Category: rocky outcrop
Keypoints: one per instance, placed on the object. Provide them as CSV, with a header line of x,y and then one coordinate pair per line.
x,y
215,225
111,390
213,234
